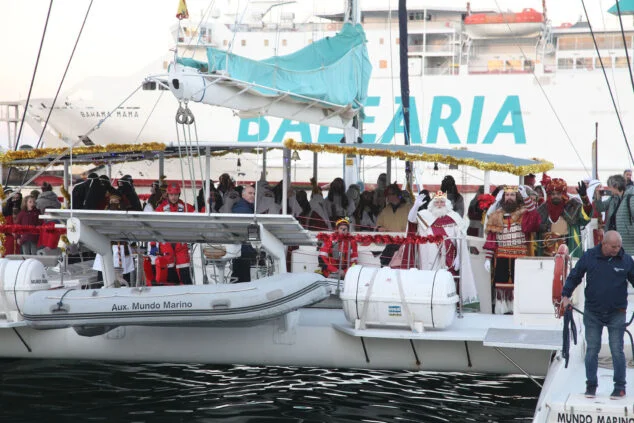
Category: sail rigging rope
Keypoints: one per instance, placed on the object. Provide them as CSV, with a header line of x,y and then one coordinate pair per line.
x,y
539,84
28,97
627,53
147,119
37,61
616,94
605,75
59,87
196,31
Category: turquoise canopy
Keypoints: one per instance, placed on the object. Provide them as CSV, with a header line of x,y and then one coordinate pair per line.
x,y
334,69
626,6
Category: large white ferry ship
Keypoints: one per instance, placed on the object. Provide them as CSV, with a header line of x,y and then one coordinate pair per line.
x,y
480,80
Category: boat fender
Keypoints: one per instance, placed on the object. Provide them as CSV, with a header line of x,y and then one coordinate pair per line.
x,y
90,331
562,264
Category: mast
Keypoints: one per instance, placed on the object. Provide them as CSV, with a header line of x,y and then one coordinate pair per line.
x,y
351,133
404,76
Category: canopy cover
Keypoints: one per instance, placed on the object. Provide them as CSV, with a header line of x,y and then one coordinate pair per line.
x,y
334,69
626,7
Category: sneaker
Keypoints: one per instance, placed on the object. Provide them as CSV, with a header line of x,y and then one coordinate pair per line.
x,y
617,394
591,391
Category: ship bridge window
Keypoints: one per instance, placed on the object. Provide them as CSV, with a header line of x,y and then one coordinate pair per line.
x,y
266,43
149,85
243,43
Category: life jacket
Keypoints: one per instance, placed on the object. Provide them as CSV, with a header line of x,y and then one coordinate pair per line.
x,y
177,253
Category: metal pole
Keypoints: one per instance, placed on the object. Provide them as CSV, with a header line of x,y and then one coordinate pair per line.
x,y
161,159
264,163
65,182
207,178
315,164
286,176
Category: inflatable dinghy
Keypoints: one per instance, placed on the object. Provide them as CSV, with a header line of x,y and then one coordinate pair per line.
x,y
183,305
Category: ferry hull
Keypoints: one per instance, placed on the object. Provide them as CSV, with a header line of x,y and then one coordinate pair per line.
x,y
521,115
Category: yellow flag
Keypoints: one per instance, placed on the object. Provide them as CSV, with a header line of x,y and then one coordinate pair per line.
x,y
182,12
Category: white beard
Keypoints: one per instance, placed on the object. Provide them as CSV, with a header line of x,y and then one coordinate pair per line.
x,y
439,211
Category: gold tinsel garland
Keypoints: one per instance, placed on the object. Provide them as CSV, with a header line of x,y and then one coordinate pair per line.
x,y
543,166
10,156
65,194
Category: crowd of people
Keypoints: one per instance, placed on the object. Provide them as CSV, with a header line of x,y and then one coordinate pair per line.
x,y
516,221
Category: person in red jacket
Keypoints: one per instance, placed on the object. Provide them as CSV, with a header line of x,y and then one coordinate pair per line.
x,y
335,257
29,216
177,254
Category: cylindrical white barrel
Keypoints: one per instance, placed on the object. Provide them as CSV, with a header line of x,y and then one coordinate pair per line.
x,y
429,296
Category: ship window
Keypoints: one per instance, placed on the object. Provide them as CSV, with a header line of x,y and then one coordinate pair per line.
x,y
243,43
620,62
584,63
266,43
225,42
381,40
607,62
149,85
398,41
284,43
564,63
382,64
163,86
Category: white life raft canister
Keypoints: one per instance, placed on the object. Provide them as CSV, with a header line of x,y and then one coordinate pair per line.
x,y
424,296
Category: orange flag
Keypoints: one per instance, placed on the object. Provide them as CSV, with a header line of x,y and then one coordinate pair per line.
x,y
182,12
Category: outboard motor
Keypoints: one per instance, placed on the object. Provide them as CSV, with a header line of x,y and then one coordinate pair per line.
x,y
18,279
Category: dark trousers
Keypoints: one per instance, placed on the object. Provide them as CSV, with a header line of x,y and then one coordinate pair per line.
x,y
241,266
388,253
179,276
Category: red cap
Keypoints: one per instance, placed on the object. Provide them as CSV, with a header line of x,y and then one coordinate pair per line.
x,y
173,188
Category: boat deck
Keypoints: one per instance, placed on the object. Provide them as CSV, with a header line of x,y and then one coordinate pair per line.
x,y
569,403
492,330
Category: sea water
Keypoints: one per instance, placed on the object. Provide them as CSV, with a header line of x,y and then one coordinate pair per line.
x,y
81,391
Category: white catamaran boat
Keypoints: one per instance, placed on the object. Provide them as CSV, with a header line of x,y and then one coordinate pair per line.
x,y
375,317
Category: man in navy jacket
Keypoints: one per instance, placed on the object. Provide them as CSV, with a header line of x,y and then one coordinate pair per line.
x,y
607,269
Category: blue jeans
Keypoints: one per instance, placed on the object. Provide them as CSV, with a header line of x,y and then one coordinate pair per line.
x,y
594,323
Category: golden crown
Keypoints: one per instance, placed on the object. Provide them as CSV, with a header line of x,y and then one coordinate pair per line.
x,y
342,221
440,195
511,188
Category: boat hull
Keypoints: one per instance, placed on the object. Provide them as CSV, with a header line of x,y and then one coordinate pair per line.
x,y
307,337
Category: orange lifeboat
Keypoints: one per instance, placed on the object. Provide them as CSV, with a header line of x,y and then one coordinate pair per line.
x,y
526,23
